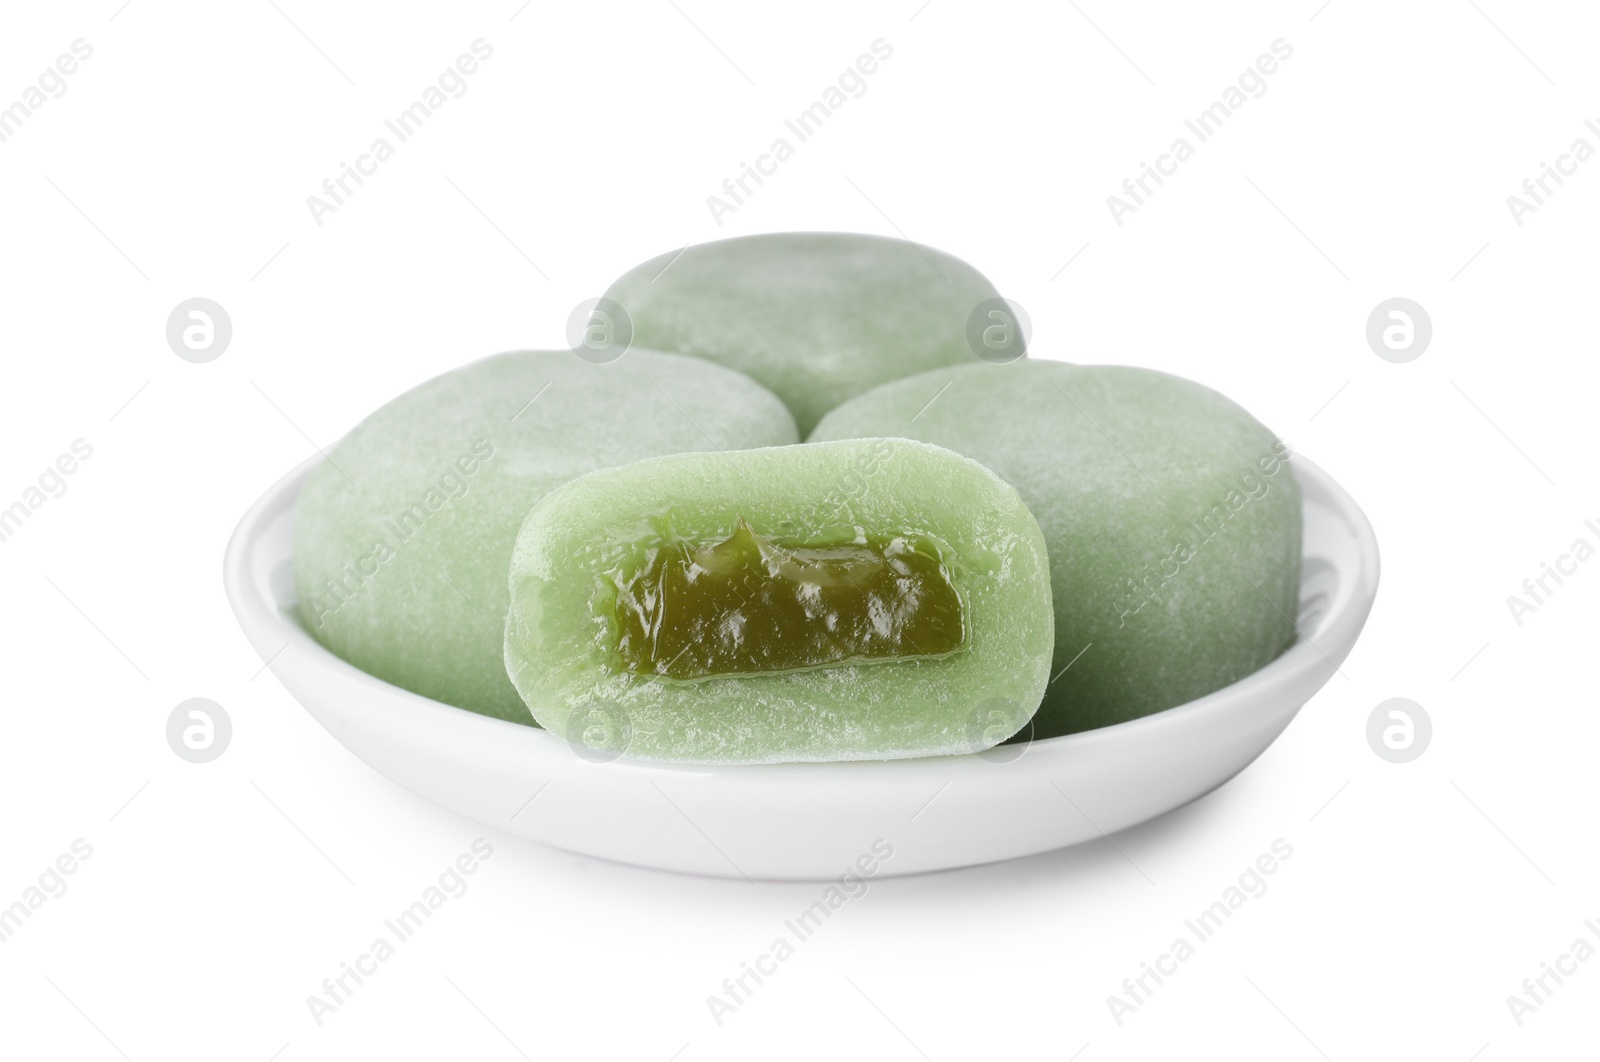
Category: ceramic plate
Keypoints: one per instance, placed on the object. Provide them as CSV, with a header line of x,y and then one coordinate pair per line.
x,y
810,820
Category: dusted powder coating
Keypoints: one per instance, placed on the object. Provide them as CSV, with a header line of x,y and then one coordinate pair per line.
x,y
562,630
1172,515
816,317
403,537
748,606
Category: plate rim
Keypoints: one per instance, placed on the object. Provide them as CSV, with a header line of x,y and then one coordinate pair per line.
x,y
257,614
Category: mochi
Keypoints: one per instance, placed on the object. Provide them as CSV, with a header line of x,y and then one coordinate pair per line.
x,y
1172,516
859,600
403,535
816,317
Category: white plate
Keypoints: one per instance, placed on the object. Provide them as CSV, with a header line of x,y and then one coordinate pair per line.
x,y
810,820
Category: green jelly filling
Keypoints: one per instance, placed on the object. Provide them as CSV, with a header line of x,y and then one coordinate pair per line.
x,y
749,606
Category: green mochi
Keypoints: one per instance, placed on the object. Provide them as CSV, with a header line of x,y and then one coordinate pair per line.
x,y
816,317
403,536
1172,516
562,632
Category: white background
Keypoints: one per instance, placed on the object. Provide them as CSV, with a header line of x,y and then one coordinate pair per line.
x,y
1376,165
